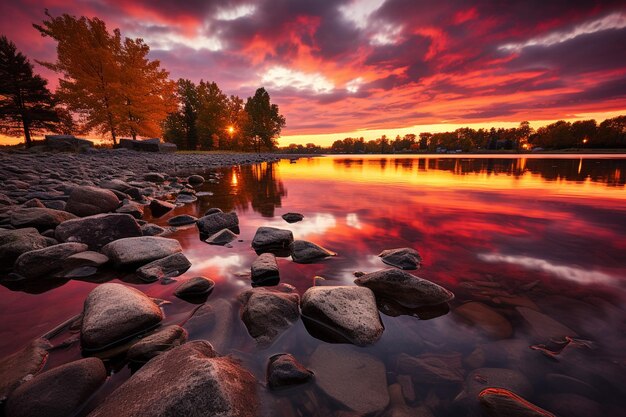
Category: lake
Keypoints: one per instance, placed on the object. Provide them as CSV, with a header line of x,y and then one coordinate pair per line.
x,y
533,247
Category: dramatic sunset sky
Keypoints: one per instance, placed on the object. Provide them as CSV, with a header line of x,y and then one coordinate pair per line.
x,y
383,66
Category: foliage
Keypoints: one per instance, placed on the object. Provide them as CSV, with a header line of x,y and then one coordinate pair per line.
x,y
264,120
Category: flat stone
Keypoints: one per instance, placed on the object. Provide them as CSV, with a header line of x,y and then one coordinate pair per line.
x,y
140,250
213,223
213,210
292,217
223,237
498,402
87,258
267,314
352,377
486,319
154,177
59,392
198,384
404,288
114,313
283,370
170,266
46,261
182,220
162,340
186,198
39,218
432,368
18,367
13,243
304,252
159,208
151,229
115,184
350,312
193,287
403,258
543,328
268,239
87,201
195,179
98,230
265,270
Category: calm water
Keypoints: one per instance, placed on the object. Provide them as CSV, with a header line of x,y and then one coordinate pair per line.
x,y
547,234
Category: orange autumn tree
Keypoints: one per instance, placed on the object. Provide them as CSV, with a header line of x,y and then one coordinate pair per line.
x,y
109,84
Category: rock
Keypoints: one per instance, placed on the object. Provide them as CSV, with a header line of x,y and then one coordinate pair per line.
x,y
99,230
508,379
213,210
353,378
46,261
403,258
269,239
405,289
498,402
572,405
213,223
87,258
115,184
432,368
304,252
151,229
13,243
133,251
5,200
154,177
18,367
182,220
283,370
543,328
513,352
194,287
33,202
198,384
114,313
195,179
267,314
159,208
87,201
223,237
349,312
164,339
55,204
264,270
39,218
292,217
186,198
170,266
131,208
486,319
215,322
59,392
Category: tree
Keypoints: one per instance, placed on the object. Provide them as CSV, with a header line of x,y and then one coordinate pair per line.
x,y
212,114
264,120
180,127
26,104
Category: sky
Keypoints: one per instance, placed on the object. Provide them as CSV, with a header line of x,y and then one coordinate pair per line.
x,y
369,67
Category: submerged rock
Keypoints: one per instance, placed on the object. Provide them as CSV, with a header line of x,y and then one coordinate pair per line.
x,y
543,328
269,239
404,288
486,319
292,217
432,368
498,402
96,231
170,266
283,370
182,220
59,392
46,261
159,208
140,250
215,322
403,258
194,287
13,243
195,179
39,218
304,252
198,384
18,367
114,313
223,237
87,201
348,312
213,223
264,270
509,379
164,339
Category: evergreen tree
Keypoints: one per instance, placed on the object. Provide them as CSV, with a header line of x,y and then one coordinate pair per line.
x,y
264,120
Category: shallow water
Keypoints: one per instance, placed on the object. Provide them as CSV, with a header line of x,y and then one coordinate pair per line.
x,y
545,233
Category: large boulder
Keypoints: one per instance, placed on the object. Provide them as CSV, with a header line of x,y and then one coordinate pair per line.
x,y
135,251
213,223
98,230
13,243
20,366
403,258
405,289
304,252
46,261
348,312
59,392
267,314
164,339
198,384
270,239
114,313
170,266
40,218
87,201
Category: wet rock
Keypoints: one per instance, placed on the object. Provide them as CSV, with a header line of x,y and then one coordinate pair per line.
x,y
18,367
348,311
33,202
115,312
164,339
214,322
151,229
131,208
304,252
13,243
399,408
354,378
59,392
543,328
99,230
513,352
213,210
154,177
182,220
186,198
55,204
194,287
498,402
213,223
87,201
5,200
115,184
140,250
267,314
46,261
432,368
223,237
195,179
486,319
87,258
269,239
283,370
170,266
404,288
264,270
198,383
159,208
292,217
508,379
39,218
403,258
